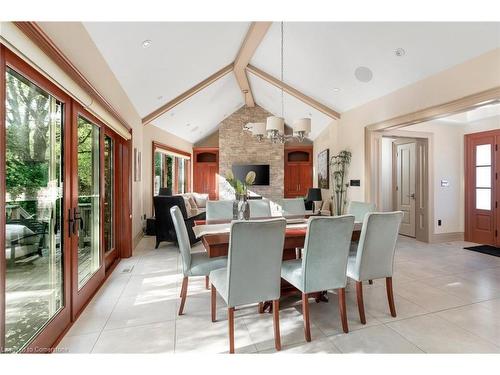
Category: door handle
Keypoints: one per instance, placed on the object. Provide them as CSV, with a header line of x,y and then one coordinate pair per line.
x,y
71,222
412,195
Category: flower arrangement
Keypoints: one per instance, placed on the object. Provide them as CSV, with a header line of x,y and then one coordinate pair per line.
x,y
240,187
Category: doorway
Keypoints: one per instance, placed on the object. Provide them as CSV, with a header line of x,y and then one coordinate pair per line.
x,y
482,164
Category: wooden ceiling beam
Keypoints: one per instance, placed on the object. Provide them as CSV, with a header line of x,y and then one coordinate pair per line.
x,y
186,95
254,37
294,92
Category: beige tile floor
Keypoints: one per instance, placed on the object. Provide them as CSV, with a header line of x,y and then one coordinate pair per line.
x,y
447,299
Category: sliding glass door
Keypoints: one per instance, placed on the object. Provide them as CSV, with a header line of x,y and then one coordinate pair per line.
x,y
61,173
35,237
86,213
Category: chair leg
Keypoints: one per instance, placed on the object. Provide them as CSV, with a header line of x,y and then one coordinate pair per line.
x,y
370,282
157,244
343,309
206,282
230,319
390,296
276,323
298,253
305,313
213,303
361,306
183,294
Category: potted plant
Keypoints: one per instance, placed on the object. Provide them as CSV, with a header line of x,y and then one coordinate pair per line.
x,y
339,166
241,208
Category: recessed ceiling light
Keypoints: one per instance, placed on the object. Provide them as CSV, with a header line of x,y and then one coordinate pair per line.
x,y
188,124
363,74
159,97
336,89
146,43
194,129
399,52
172,114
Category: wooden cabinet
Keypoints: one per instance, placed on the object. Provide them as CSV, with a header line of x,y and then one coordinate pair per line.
x,y
205,171
298,171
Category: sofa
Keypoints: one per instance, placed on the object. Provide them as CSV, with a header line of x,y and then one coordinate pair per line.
x,y
188,204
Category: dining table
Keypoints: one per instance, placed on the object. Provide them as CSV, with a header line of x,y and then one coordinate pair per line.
x,y
214,235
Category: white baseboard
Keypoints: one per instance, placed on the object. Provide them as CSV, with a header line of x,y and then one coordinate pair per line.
x,y
137,239
447,237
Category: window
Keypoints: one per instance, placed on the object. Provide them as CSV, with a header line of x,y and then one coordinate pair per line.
x,y
483,177
172,171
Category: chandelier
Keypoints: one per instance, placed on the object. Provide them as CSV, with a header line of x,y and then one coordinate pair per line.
x,y
274,127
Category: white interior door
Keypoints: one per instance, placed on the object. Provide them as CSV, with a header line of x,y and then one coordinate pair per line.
x,y
405,186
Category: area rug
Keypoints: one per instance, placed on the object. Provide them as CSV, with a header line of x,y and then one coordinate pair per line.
x,y
485,249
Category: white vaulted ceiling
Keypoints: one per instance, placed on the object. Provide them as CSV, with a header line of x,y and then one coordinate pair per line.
x,y
181,55
324,55
318,57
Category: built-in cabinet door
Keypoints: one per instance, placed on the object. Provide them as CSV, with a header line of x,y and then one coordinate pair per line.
x,y
481,187
86,214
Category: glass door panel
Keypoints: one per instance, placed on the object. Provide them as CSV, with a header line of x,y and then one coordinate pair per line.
x,y
109,190
34,206
87,217
483,168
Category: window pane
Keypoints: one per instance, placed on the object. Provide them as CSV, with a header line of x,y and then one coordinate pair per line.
x,y
483,177
33,243
108,194
483,154
483,199
88,200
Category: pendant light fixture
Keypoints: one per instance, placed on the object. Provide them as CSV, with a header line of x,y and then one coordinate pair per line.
x,y
274,127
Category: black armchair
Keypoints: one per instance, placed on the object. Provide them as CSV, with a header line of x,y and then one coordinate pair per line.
x,y
165,230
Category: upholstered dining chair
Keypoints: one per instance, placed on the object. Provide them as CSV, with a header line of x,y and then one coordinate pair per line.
x,y
253,270
374,257
195,264
360,209
323,264
259,208
219,210
293,206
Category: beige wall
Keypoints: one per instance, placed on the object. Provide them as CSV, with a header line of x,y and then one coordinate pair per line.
x,y
152,133
473,76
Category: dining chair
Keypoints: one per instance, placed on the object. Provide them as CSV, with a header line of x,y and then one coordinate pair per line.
x,y
293,206
219,210
374,257
323,264
360,209
253,270
193,264
259,208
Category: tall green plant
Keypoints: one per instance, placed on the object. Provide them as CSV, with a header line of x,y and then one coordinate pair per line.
x,y
339,165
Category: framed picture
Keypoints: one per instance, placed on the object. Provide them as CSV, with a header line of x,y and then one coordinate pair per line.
x,y
137,165
324,169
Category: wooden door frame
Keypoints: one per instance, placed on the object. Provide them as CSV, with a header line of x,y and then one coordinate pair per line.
x,y
80,297
395,144
59,322
113,254
468,177
2,198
